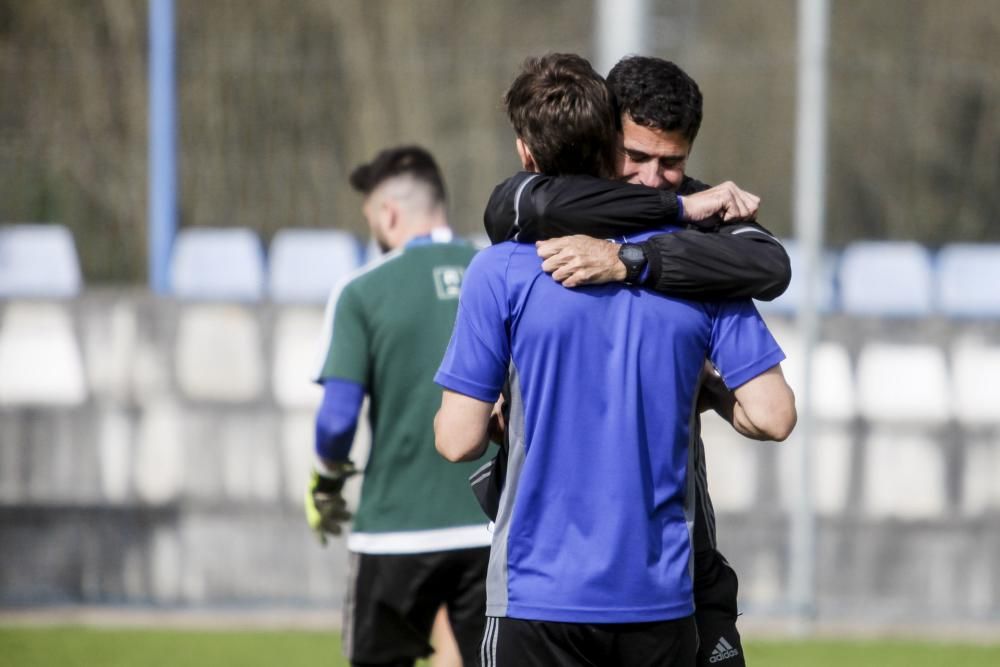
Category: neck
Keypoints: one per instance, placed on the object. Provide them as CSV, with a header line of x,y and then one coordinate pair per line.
x,y
421,225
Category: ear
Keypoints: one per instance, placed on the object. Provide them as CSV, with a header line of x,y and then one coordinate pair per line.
x,y
523,152
390,215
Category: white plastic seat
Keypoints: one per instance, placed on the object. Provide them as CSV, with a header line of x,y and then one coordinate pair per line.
x,y
903,383
218,353
980,491
159,461
886,278
830,475
296,335
731,461
968,280
217,264
38,261
832,389
789,302
904,475
305,264
975,385
40,360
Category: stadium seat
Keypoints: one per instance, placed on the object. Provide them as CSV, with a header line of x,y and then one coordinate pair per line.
x,y
975,368
159,461
38,261
886,278
789,302
298,433
40,360
296,348
980,491
904,475
832,395
732,465
115,447
218,353
298,436
305,264
968,280
830,479
251,465
217,264
903,383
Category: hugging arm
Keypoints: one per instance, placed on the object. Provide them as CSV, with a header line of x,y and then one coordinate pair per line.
x,y
709,261
762,408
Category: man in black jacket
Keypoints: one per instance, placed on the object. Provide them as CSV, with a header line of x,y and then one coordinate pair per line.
x,y
723,254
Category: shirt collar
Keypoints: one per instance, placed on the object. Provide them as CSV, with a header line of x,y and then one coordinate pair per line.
x,y
437,235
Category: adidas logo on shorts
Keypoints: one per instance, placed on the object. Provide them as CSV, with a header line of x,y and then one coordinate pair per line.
x,y
723,651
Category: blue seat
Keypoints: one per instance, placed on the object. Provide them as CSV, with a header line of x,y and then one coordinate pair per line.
x,y
886,278
306,263
217,264
38,261
789,302
968,280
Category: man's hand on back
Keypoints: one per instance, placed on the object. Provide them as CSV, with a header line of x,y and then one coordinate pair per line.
x,y
581,260
725,202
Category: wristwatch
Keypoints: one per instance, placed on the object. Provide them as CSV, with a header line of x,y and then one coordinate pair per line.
x,y
633,256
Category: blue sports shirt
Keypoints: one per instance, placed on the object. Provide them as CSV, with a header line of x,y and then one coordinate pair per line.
x,y
594,520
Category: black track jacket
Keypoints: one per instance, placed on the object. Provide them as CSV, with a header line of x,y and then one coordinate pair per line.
x,y
709,261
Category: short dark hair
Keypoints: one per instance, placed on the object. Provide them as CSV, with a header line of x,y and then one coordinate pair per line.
x,y
397,161
561,109
656,93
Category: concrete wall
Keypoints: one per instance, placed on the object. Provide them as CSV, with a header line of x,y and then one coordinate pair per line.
x,y
156,452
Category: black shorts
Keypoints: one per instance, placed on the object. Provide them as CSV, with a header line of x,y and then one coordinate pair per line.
x,y
392,600
715,590
513,642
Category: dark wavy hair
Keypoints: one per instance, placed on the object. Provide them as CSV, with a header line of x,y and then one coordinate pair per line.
x,y
410,160
656,93
562,110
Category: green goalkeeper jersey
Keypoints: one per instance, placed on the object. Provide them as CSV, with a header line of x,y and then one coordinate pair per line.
x,y
387,328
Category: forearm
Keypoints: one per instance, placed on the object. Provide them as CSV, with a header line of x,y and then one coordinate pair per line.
x,y
767,414
764,407
535,207
712,266
727,407
337,420
461,427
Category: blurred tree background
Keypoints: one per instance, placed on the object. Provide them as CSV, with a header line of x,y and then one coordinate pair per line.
x,y
279,100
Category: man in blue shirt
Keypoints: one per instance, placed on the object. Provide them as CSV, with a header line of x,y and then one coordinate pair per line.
x,y
591,554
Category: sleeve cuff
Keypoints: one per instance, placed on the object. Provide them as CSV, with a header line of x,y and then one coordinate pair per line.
x,y
474,390
743,375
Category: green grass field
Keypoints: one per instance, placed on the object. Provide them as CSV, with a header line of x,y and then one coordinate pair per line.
x,y
79,647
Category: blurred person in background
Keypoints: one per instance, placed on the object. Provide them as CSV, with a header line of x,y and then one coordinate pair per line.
x,y
723,254
591,559
419,541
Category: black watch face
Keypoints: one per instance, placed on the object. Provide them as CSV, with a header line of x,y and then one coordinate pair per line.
x,y
632,253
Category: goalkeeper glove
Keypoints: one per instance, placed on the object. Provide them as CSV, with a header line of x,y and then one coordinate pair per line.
x,y
326,509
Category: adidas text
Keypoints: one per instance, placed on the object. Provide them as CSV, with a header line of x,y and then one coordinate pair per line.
x,y
722,651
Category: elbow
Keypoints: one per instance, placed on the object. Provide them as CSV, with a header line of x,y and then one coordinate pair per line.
x,y
781,277
444,441
450,453
783,421
783,429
